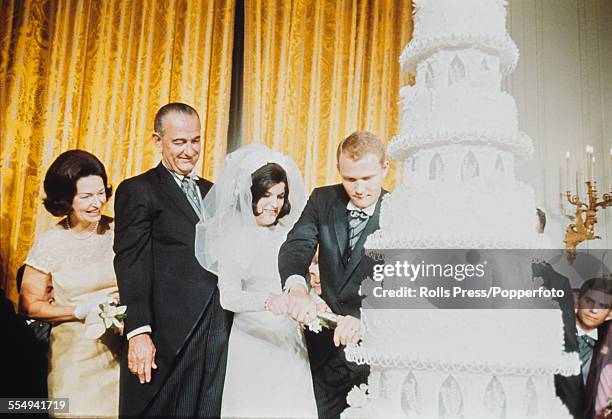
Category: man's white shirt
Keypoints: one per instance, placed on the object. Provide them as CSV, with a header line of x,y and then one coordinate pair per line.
x,y
591,333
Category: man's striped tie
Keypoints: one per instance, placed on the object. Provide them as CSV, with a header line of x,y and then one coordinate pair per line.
x,y
189,188
357,222
585,351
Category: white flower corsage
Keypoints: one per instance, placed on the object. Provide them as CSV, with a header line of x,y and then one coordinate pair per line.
x,y
109,314
358,396
324,320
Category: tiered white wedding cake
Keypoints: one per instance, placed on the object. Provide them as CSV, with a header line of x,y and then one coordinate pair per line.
x,y
458,143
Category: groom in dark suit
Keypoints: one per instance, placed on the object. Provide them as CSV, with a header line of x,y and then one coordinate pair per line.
x,y
338,219
174,361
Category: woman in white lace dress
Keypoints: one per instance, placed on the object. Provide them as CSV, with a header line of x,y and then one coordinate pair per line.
x,y
75,257
249,211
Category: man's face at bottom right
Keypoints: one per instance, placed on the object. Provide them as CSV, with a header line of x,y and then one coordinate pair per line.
x,y
593,309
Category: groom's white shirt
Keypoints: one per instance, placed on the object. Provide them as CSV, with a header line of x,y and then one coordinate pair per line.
x,y
299,279
178,179
591,333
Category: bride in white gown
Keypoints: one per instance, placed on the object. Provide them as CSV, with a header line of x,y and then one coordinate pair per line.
x,y
256,201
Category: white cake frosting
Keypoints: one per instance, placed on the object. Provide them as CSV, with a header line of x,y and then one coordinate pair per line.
x,y
456,119
458,143
486,363
458,91
456,23
530,353
458,196
458,94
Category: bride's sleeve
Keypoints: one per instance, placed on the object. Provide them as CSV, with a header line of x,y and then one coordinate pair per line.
x,y
233,296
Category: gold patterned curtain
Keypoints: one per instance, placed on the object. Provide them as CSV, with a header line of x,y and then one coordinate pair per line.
x,y
91,74
315,71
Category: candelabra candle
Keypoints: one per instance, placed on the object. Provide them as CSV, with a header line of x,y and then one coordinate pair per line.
x,y
567,169
586,210
589,171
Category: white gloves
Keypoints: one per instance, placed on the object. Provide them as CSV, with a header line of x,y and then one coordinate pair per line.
x,y
82,310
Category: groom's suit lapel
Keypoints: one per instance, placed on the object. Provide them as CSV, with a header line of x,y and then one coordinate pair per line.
x,y
340,222
169,187
339,219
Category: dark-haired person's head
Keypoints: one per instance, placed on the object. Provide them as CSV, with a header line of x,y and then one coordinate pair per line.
x,y
76,186
541,221
594,303
177,137
270,191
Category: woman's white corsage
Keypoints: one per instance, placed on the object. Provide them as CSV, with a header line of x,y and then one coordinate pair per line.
x,y
315,326
324,320
358,396
109,314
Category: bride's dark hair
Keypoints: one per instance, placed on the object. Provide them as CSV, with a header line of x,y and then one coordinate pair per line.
x,y
263,179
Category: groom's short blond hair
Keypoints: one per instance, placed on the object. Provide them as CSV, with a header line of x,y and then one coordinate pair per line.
x,y
359,144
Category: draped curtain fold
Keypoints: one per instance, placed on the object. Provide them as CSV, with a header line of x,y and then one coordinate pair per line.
x,y
91,74
315,71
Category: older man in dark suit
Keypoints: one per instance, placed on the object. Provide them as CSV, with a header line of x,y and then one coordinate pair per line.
x,y
338,219
177,332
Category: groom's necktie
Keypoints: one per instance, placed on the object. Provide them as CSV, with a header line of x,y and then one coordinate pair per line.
x,y
188,186
585,351
357,222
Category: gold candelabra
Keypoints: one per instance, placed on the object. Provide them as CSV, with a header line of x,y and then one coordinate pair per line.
x,y
586,216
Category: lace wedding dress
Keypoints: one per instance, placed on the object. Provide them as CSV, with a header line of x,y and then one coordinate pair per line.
x,y
268,374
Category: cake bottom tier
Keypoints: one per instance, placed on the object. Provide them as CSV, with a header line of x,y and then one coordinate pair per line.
x,y
419,394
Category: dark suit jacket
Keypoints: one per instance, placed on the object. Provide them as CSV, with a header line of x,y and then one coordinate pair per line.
x,y
324,221
24,370
159,278
579,399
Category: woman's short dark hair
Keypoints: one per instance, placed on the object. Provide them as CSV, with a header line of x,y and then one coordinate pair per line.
x,y
263,179
62,177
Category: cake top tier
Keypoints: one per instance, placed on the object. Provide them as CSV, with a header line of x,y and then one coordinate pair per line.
x,y
442,24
